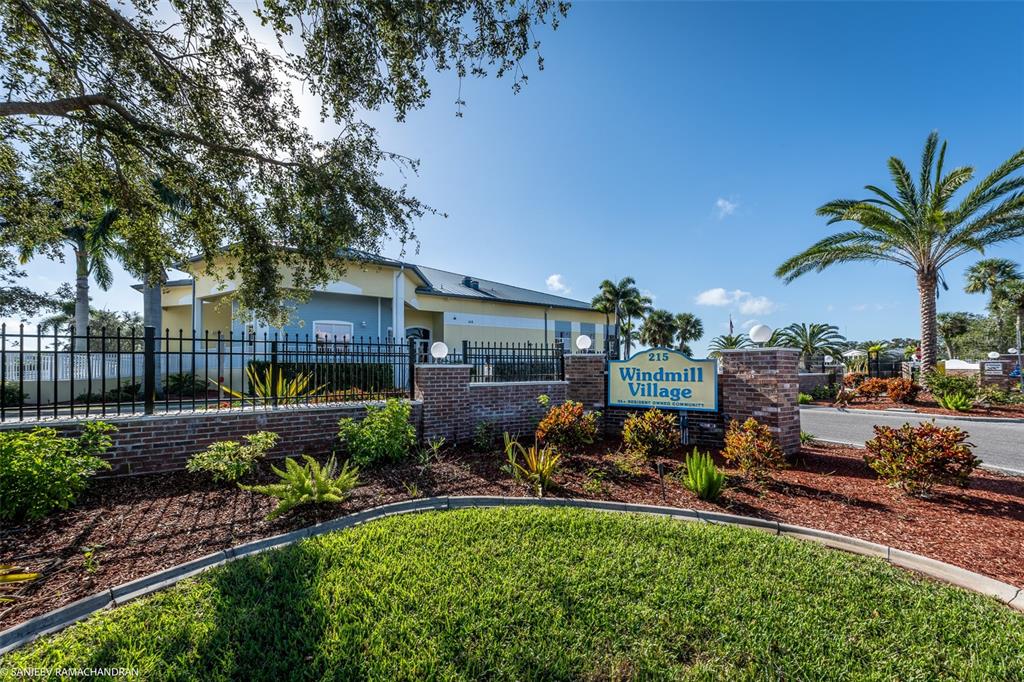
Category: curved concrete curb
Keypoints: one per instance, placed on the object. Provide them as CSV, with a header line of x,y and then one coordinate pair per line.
x,y
915,413
59,619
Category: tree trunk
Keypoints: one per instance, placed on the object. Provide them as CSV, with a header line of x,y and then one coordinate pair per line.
x,y
81,296
926,287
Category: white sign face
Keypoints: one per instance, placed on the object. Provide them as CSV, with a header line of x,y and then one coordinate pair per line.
x,y
993,368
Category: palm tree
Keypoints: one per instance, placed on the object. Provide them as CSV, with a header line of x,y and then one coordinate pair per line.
x,y
989,275
603,306
93,239
689,328
173,206
611,296
727,342
658,329
635,305
1011,299
812,339
952,325
918,229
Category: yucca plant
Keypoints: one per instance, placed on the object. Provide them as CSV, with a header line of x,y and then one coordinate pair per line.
x,y
538,466
270,384
10,575
308,484
702,476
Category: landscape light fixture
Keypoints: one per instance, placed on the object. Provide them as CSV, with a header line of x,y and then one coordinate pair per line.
x,y
829,359
439,350
583,342
760,333
1011,351
993,355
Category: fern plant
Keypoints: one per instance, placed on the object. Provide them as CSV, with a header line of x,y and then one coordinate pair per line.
x,y
308,484
702,476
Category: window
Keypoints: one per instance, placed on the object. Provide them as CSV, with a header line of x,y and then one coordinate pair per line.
x,y
332,331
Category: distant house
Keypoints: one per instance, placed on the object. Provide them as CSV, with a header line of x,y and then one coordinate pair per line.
x,y
378,296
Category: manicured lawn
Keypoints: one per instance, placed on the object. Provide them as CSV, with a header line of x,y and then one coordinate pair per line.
x,y
527,593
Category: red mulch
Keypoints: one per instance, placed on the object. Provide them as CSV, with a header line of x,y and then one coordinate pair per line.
x,y
927,405
142,524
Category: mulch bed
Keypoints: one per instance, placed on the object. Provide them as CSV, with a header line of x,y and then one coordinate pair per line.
x,y
139,525
927,405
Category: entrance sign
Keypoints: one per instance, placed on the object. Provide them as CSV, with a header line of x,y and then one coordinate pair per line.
x,y
663,378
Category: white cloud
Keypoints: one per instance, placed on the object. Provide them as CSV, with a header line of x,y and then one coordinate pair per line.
x,y
556,284
747,325
720,297
757,305
743,301
724,207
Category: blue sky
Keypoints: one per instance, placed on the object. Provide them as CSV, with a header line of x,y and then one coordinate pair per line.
x,y
688,145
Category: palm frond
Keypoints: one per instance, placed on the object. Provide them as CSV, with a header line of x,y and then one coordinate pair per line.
x,y
904,183
927,158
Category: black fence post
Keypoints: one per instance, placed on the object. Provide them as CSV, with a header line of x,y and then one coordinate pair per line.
x,y
561,361
149,370
273,372
412,369
465,353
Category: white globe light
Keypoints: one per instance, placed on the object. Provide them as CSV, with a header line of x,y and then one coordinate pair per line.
x,y
829,359
993,354
760,333
1012,351
583,342
439,350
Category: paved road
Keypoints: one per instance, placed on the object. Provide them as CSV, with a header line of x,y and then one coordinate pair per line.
x,y
998,444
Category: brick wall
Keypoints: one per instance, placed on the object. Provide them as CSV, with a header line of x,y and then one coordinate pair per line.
x,y
585,374
452,406
155,443
763,383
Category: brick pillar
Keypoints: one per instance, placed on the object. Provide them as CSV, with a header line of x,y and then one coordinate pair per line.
x,y
585,374
763,383
444,390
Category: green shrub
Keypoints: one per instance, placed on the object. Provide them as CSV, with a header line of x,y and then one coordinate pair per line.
x,y
915,458
308,484
122,393
956,401
940,384
825,392
12,395
41,472
752,448
702,476
805,398
185,384
384,435
807,437
567,427
538,466
652,433
229,460
485,434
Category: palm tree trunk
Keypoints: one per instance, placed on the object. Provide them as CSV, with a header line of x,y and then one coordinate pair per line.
x,y
629,337
81,295
926,287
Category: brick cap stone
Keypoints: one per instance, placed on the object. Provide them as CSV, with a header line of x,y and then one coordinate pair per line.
x,y
441,365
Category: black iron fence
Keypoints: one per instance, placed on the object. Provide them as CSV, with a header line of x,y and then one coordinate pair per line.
x,y
498,362
106,373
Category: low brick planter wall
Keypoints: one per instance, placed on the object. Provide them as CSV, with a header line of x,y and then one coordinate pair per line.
x,y
164,442
513,406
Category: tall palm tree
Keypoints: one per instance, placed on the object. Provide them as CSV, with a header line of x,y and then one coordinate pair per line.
x,y
689,328
1011,300
658,329
634,306
813,339
917,228
93,240
603,306
611,296
727,342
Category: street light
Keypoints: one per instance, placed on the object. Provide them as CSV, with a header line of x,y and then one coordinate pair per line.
x,y
583,343
760,333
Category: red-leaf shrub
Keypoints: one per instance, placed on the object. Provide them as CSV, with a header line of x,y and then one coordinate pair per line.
x,y
915,458
853,379
568,427
651,434
752,447
902,390
873,387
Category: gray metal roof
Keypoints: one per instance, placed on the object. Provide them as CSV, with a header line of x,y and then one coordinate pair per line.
x,y
444,283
